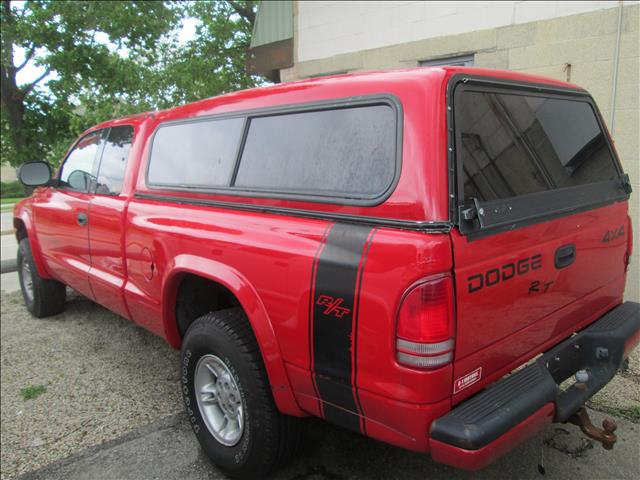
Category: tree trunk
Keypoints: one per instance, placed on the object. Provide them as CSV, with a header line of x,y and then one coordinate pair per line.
x,y
12,97
15,112
13,105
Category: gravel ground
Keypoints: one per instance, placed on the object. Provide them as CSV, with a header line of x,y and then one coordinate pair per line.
x,y
103,376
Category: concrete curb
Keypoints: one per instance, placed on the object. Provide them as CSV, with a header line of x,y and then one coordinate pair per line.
x,y
162,424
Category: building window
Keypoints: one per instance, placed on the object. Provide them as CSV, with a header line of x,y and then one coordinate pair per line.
x,y
460,61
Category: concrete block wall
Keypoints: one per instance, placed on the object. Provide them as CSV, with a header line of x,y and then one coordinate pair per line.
x,y
586,41
328,28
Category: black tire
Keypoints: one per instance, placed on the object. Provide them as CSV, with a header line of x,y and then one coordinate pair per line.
x,y
269,438
48,296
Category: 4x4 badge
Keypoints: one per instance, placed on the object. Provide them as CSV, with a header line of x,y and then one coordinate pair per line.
x,y
334,306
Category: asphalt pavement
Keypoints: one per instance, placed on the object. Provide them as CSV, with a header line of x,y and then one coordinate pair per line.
x,y
6,222
8,251
9,248
168,450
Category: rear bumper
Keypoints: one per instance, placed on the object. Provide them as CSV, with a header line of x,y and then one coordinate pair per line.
x,y
513,409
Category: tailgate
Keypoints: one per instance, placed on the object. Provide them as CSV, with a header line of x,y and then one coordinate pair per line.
x,y
542,239
481,429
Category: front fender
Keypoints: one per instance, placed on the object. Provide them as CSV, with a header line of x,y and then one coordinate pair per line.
x,y
22,215
248,297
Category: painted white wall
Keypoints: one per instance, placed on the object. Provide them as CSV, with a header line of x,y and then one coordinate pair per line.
x,y
328,28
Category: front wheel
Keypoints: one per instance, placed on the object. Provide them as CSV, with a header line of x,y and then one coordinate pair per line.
x,y
228,397
42,297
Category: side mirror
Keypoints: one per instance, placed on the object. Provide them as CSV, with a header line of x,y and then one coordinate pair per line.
x,y
80,180
34,174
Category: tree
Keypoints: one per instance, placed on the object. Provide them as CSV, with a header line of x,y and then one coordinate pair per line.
x,y
106,59
214,62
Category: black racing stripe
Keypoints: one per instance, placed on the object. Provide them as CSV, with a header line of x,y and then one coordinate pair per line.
x,y
355,329
311,289
333,321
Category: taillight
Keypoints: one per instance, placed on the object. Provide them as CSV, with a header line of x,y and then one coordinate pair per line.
x,y
424,333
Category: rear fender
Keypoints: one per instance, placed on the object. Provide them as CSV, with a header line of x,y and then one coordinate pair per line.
x,y
237,284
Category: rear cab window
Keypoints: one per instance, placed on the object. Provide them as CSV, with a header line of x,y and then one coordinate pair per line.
x,y
345,154
523,155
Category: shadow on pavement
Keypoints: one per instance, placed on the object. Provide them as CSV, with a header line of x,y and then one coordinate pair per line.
x,y
168,450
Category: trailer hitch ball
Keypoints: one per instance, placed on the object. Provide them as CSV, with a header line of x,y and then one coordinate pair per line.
x,y
605,435
582,376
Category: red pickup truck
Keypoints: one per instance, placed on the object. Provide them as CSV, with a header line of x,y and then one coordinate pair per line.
x,y
427,257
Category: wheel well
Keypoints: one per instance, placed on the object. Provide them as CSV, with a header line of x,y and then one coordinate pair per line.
x,y
199,295
21,229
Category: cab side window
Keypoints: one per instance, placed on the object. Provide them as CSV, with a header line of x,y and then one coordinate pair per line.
x,y
77,170
114,160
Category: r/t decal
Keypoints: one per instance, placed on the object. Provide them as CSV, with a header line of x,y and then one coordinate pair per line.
x,y
334,306
540,287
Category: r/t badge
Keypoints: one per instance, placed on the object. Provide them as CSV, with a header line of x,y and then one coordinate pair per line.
x,y
333,306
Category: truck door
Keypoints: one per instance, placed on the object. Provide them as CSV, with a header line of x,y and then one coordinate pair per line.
x,y
107,211
62,216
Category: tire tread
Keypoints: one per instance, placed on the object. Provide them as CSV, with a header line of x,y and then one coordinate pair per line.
x,y
283,432
49,296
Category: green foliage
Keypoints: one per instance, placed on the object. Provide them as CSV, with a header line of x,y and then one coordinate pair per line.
x,y
212,62
630,413
633,414
32,391
107,59
11,190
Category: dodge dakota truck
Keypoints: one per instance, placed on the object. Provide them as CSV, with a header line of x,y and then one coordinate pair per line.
x,y
434,258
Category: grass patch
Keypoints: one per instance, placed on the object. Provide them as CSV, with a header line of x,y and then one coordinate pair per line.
x,y
10,200
632,413
11,190
32,392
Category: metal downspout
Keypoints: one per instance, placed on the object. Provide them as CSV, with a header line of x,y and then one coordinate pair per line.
x,y
616,61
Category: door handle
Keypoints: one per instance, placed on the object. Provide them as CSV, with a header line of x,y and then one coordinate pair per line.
x,y
82,219
565,256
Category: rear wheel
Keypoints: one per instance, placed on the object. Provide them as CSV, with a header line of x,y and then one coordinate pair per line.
x,y
228,397
42,297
